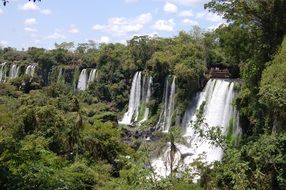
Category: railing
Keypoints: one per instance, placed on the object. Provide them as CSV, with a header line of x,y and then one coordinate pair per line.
x,y
219,73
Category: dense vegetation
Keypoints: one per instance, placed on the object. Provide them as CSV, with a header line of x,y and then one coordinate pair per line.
x,y
55,137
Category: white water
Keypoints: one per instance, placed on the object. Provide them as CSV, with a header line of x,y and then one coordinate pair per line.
x,y
30,70
60,75
147,100
91,77
14,71
169,103
3,71
218,96
82,82
134,101
85,80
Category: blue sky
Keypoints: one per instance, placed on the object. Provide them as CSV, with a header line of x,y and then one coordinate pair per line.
x,y
25,24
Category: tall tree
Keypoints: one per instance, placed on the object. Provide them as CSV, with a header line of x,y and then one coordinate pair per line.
x,y
264,18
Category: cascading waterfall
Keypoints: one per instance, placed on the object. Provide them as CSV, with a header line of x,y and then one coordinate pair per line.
x,y
3,72
146,97
91,77
17,71
60,75
14,71
169,103
161,122
30,70
134,101
82,82
85,80
217,97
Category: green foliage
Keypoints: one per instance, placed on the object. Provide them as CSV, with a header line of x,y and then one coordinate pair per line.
x,y
273,83
50,147
102,141
54,137
257,165
263,19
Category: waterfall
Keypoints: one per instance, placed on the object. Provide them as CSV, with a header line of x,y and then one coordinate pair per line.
x,y
91,76
30,70
134,101
85,80
60,75
3,72
190,112
218,96
146,96
82,82
14,71
17,71
169,104
219,111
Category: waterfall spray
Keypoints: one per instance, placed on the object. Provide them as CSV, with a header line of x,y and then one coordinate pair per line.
x,y
91,77
30,70
60,75
14,71
134,101
3,72
219,111
169,104
146,97
82,82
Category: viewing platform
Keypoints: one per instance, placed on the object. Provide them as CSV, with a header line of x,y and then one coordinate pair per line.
x,y
219,73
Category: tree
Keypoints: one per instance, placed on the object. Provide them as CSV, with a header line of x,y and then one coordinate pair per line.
x,y
65,45
141,49
260,26
264,18
273,88
102,141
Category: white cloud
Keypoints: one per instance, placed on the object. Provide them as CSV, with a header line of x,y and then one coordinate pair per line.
x,y
1,11
46,11
153,34
30,21
170,8
188,13
30,29
210,16
56,35
190,22
150,34
123,25
131,1
73,29
190,2
3,43
215,26
33,35
30,6
98,27
104,39
165,25
37,41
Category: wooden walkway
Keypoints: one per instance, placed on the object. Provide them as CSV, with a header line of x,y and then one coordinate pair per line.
x,y
219,73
